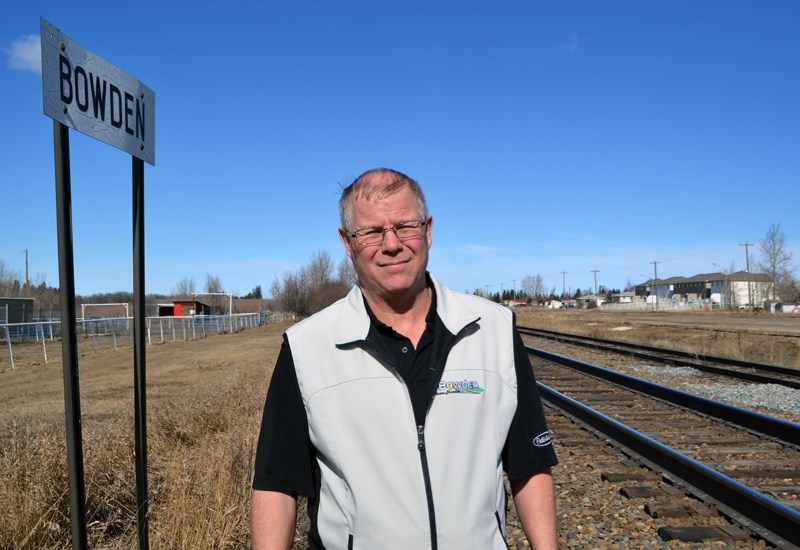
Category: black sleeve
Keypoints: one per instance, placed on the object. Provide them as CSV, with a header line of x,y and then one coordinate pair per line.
x,y
284,455
528,447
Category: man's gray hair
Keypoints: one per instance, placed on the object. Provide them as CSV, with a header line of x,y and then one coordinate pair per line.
x,y
372,189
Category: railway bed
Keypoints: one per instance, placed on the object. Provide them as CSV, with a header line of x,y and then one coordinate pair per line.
x,y
722,366
754,478
768,397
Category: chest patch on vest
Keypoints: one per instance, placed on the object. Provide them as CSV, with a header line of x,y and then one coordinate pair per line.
x,y
459,386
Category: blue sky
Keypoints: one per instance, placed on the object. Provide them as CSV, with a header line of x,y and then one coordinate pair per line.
x,y
573,136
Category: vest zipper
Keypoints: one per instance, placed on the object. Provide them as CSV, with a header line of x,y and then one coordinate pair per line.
x,y
423,457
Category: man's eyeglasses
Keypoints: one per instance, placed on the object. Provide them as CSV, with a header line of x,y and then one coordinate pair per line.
x,y
402,230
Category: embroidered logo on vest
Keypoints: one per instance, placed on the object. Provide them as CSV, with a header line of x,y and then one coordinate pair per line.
x,y
459,386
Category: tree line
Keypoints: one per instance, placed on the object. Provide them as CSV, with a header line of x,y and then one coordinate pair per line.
x,y
314,286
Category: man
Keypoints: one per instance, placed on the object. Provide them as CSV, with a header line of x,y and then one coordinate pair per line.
x,y
396,409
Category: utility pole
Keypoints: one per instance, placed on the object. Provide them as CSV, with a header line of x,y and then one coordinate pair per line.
x,y
724,285
513,289
747,246
564,285
501,292
655,280
595,283
27,279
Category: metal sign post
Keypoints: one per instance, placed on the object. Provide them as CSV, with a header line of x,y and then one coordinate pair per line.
x,y
83,91
140,381
69,338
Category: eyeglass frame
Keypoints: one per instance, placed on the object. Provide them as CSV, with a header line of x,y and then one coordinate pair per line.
x,y
354,234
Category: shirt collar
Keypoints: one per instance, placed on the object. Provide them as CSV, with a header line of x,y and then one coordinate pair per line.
x,y
430,317
354,320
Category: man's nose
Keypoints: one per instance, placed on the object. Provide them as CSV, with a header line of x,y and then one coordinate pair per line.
x,y
390,241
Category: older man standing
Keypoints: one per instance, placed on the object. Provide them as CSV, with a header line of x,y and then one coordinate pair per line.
x,y
397,409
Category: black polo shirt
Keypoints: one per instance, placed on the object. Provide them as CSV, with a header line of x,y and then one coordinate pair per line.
x,y
285,457
416,366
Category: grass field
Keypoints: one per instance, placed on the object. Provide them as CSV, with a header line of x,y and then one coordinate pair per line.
x,y
204,404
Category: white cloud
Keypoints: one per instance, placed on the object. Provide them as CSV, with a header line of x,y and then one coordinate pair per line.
x,y
25,54
571,46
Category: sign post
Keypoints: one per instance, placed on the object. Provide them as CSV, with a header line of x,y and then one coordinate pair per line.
x,y
82,91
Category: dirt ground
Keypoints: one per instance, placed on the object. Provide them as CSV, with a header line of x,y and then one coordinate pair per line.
x,y
173,370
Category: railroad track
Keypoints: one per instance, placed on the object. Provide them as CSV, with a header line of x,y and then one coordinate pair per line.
x,y
743,466
719,366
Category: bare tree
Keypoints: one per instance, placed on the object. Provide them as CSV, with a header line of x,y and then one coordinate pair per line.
x,y
310,288
347,273
629,286
533,286
776,258
214,285
47,298
789,290
293,294
184,288
319,269
9,282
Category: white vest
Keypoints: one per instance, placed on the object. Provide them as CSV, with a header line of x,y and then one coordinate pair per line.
x,y
361,423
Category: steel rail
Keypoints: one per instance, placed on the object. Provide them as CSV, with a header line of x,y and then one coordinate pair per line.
x,y
776,522
787,432
598,343
678,353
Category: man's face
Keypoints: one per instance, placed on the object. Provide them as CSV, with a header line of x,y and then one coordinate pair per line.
x,y
392,268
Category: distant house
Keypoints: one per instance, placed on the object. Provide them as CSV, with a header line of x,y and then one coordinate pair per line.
x,y
623,298
730,290
590,300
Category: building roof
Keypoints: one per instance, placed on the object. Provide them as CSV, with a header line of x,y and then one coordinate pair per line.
x,y
743,276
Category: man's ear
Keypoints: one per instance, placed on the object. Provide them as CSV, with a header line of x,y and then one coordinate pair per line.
x,y
346,242
429,231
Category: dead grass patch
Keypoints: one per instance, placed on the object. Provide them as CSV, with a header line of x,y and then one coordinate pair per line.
x,y
204,407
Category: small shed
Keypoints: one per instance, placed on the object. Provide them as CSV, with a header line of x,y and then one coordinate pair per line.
x,y
16,310
190,307
623,297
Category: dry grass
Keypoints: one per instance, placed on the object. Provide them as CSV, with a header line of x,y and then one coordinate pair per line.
x,y
204,406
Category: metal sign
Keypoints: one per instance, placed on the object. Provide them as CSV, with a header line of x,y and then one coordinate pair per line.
x,y
85,92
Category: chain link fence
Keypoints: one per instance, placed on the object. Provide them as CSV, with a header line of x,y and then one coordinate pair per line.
x,y
30,343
